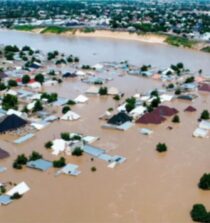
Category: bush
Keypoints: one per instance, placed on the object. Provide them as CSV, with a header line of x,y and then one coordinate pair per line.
x,y
20,161
199,213
205,115
65,136
93,169
16,196
9,101
177,91
35,156
12,83
59,163
66,109
176,119
48,144
77,152
2,190
161,147
103,91
25,79
205,182
71,102
116,97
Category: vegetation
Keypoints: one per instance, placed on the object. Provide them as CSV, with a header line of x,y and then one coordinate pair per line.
x,y
130,104
116,97
88,30
48,144
71,102
66,109
190,80
26,79
205,182
103,91
9,102
35,156
206,49
200,214
65,136
2,189
37,106
93,169
50,97
176,119
205,115
180,41
161,147
12,83
39,78
20,161
16,196
55,29
77,151
59,163
25,27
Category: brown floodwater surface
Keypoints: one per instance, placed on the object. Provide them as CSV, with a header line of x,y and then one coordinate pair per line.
x,y
148,188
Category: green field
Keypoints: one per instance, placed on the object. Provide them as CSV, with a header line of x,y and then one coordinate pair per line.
x,y
180,41
56,29
206,49
88,30
25,27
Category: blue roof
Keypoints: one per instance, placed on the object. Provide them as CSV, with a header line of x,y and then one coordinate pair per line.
x,y
40,164
24,138
105,157
2,169
93,151
5,199
60,101
118,159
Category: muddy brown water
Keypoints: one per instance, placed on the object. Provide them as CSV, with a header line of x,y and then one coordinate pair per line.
x,y
147,188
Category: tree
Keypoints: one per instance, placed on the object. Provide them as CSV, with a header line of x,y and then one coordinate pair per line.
x,y
205,115
2,87
155,102
176,119
9,102
116,97
66,109
199,213
103,91
65,136
12,83
93,168
16,196
205,182
130,104
20,160
26,79
39,78
71,102
77,151
161,147
177,91
37,106
35,156
59,163
48,144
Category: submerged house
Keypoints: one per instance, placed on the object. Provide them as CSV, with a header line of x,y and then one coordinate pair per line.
x,y
204,87
119,119
3,154
11,123
190,109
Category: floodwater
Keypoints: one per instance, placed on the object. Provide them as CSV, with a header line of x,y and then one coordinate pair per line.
x,y
92,50
147,188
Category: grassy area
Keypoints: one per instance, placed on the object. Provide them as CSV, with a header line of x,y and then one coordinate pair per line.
x,y
88,30
25,27
180,41
206,49
56,29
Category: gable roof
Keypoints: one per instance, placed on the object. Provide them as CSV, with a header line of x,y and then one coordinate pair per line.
x,y
190,109
151,118
3,154
204,87
119,119
11,122
163,110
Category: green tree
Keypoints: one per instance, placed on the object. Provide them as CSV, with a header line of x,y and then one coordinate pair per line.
x,y
66,109
39,78
26,79
205,115
59,163
10,102
77,151
12,83
176,119
37,106
199,213
103,91
205,182
35,156
161,147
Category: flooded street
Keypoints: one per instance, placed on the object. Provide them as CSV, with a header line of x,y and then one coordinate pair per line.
x,y
149,187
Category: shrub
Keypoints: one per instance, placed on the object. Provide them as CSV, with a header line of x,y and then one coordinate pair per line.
x,y
16,196
116,97
77,151
35,156
205,182
199,213
59,163
71,102
161,147
66,109
176,119
48,144
205,115
93,169
65,136
103,91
